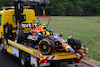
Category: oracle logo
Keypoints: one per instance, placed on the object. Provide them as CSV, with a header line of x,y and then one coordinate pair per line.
x,y
26,25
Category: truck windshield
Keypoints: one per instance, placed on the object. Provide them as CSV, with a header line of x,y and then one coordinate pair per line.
x,y
0,19
23,17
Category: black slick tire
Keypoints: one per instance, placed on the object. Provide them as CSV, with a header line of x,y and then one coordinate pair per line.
x,y
46,46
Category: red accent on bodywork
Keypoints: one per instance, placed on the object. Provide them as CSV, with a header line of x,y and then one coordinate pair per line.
x,y
45,61
58,39
19,49
42,61
78,58
55,51
64,47
86,53
47,58
82,56
43,16
41,57
65,54
80,52
39,28
33,33
52,57
55,39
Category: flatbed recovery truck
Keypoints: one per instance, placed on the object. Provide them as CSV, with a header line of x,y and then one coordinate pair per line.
x,y
35,58
16,20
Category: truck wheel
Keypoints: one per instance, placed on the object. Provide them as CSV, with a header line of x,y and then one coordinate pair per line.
x,y
79,66
46,46
3,46
63,64
23,60
2,49
55,64
76,65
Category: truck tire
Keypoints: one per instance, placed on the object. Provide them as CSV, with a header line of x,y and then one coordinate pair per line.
x,y
3,49
0,40
58,64
23,60
46,46
79,66
76,65
63,64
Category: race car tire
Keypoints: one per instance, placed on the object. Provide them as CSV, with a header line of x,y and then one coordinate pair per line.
x,y
74,42
78,46
20,36
46,46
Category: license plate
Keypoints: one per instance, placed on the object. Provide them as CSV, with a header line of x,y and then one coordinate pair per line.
x,y
45,64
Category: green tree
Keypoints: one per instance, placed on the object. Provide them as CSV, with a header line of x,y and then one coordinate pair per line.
x,y
1,4
8,2
64,7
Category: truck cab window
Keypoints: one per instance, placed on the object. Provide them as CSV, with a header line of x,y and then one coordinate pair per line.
x,y
14,20
0,19
22,16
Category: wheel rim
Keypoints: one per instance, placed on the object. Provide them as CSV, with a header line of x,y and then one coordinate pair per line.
x,y
44,47
22,60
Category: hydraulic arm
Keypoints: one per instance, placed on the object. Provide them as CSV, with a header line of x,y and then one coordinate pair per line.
x,y
19,7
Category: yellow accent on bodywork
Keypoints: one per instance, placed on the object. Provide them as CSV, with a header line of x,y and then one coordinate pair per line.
x,y
87,50
68,46
9,49
47,33
23,47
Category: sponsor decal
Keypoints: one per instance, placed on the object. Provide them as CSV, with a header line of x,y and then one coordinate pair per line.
x,y
27,25
36,53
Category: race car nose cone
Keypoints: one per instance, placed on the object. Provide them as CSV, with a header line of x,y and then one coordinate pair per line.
x,y
71,50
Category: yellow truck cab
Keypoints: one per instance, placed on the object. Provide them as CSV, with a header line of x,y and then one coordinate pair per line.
x,y
8,16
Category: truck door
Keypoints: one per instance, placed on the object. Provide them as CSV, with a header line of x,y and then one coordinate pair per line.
x,y
1,27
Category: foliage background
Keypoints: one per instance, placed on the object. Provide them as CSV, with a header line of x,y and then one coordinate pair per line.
x,y
65,7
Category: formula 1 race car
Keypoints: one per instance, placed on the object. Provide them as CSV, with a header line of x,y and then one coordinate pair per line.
x,y
43,39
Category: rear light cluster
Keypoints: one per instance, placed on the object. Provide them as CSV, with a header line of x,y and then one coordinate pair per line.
x,y
42,61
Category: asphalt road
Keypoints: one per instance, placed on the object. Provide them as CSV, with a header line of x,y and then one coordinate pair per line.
x,y
7,60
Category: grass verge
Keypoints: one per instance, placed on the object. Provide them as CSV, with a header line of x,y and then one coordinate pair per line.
x,y
87,29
